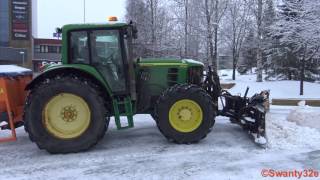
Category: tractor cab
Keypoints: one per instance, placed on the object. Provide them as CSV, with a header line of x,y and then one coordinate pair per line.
x,y
104,47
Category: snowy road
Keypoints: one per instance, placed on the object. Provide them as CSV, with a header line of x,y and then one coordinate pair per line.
x,y
143,153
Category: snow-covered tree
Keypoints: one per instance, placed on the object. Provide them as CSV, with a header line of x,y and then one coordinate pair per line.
x,y
280,41
187,22
298,32
154,27
213,11
249,51
269,17
236,29
259,18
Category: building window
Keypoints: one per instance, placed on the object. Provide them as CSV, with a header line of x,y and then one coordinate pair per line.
x,y
43,49
52,49
37,49
47,49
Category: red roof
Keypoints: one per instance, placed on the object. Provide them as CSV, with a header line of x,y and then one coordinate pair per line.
x,y
47,41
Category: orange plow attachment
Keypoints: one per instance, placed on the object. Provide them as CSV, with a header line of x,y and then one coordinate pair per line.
x,y
12,100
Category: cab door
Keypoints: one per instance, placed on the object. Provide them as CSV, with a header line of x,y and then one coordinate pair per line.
x,y
108,58
103,50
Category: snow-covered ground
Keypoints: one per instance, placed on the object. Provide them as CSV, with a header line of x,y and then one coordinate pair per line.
x,y
279,89
143,153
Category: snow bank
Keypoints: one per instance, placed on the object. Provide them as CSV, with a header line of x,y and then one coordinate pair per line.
x,y
305,116
283,134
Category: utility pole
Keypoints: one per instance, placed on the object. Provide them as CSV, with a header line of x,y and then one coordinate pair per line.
x,y
186,33
84,11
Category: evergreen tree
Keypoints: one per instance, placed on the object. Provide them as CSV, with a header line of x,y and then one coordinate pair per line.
x,y
249,52
298,34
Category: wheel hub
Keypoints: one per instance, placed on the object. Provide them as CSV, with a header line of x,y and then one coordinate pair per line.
x,y
66,116
185,115
69,113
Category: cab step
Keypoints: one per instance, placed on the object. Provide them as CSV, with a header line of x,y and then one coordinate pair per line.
x,y
123,107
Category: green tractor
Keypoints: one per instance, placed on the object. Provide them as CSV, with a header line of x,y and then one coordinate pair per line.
x,y
69,105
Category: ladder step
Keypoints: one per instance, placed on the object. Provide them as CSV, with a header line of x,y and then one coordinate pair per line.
x,y
128,113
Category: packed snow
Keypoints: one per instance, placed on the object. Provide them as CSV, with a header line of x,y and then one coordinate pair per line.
x,y
143,153
13,69
305,116
292,132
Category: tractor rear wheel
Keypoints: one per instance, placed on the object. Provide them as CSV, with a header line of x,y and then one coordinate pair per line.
x,y
185,113
65,115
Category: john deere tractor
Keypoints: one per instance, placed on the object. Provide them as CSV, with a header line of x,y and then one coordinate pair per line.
x,y
69,105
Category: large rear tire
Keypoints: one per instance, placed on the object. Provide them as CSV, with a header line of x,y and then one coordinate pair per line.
x,y
185,113
65,115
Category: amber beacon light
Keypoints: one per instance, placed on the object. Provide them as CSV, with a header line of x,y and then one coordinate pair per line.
x,y
112,18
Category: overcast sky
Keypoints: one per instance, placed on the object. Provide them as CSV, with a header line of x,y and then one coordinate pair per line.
x,y
56,13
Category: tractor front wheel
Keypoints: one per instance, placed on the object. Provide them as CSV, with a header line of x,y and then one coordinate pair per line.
x,y
185,113
65,114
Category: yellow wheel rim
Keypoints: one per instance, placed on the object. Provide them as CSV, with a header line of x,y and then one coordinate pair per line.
x,y
185,115
66,116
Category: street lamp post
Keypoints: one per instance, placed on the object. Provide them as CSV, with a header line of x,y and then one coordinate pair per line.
x,y
22,53
84,11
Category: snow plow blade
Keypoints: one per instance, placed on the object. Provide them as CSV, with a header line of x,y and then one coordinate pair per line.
x,y
249,113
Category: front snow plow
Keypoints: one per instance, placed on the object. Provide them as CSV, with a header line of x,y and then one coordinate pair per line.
x,y
247,112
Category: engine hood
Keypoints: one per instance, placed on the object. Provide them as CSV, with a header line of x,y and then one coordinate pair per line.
x,y
169,62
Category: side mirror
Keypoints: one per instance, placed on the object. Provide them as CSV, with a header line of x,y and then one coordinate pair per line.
x,y
58,30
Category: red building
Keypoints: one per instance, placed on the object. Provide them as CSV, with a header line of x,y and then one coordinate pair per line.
x,y
46,51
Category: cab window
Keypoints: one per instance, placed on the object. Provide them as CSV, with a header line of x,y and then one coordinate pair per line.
x,y
79,47
106,56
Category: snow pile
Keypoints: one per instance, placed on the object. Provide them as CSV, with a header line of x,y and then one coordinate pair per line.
x,y
305,116
226,73
283,134
13,69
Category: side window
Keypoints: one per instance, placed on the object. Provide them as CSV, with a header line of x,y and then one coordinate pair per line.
x,y
106,57
78,47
